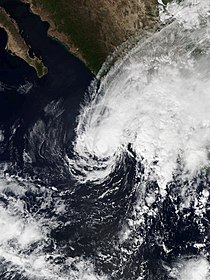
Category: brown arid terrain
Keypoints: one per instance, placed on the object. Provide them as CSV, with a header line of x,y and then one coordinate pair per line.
x,y
93,29
17,45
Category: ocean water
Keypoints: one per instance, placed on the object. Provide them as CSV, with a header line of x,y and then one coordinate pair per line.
x,y
110,179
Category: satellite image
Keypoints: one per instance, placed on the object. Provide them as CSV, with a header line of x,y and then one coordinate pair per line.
x,y
104,140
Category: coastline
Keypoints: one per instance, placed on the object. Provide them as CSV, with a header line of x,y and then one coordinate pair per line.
x,y
53,32
93,30
16,44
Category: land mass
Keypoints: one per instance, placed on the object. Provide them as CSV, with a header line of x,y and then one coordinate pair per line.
x,y
93,29
16,44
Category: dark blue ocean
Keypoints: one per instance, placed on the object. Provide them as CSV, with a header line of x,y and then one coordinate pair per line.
x,y
52,226
67,78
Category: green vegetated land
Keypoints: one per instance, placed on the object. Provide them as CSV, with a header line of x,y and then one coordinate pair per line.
x,y
93,29
66,20
17,45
